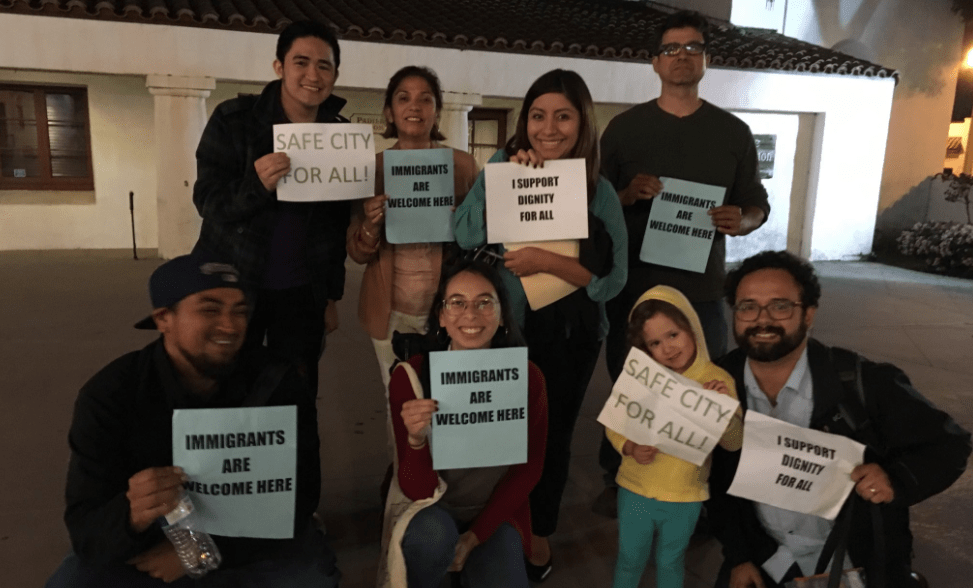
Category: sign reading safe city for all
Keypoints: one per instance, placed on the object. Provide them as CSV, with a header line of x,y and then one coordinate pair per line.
x,y
482,416
650,405
680,231
329,161
524,203
419,183
242,468
791,467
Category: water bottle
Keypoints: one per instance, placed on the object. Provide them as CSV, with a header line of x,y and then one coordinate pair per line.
x,y
196,549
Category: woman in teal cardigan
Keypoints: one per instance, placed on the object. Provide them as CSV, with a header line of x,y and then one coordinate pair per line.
x,y
564,338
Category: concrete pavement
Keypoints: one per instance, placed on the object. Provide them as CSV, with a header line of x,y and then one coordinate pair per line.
x,y
65,314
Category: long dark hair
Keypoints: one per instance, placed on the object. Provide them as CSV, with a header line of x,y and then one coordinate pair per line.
x,y
570,84
506,336
414,71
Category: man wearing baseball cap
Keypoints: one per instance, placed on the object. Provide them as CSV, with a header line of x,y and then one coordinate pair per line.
x,y
121,476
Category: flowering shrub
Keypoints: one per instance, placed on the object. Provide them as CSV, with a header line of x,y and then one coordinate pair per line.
x,y
945,247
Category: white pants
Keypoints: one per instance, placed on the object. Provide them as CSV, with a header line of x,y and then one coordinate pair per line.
x,y
403,323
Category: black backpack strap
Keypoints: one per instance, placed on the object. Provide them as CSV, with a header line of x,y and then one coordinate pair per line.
x,y
836,544
266,384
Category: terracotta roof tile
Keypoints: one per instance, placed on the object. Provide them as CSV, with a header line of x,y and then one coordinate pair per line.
x,y
596,29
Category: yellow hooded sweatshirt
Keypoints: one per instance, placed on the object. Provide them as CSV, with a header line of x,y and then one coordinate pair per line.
x,y
668,478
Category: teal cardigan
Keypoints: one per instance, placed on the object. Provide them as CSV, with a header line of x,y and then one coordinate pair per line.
x,y
469,227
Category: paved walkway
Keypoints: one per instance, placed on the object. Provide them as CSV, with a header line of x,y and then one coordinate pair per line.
x,y
65,314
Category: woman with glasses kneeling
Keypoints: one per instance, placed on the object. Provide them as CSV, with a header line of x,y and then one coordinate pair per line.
x,y
470,520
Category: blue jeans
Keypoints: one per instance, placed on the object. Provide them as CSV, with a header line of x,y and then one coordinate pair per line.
x,y
311,566
429,544
640,520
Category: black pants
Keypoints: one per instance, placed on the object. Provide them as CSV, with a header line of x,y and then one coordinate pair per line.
x,y
293,325
567,357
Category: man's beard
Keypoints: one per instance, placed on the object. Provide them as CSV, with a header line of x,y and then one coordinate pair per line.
x,y
770,351
212,369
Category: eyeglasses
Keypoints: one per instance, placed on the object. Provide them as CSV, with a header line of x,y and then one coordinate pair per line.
x,y
485,305
673,49
777,309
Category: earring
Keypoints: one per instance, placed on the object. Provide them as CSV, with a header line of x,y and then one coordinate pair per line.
x,y
442,336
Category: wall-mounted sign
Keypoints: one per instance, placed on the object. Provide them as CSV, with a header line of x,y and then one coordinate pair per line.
x,y
766,152
376,120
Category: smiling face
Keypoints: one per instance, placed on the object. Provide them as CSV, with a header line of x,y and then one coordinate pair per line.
x,y
682,69
413,109
553,124
203,332
470,328
766,339
668,343
308,75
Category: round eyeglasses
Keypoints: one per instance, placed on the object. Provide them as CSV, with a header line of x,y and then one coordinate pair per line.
x,y
778,310
484,305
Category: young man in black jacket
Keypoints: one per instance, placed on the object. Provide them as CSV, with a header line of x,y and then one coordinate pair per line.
x,y
291,254
121,476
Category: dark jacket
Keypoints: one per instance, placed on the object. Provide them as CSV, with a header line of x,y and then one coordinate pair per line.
x,y
239,214
123,424
921,448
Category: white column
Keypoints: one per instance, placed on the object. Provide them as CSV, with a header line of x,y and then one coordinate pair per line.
x,y
453,121
180,116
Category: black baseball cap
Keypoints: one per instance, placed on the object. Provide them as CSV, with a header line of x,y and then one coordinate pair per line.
x,y
186,275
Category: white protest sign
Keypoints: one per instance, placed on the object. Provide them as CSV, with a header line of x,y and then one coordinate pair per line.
x,y
652,406
524,203
242,465
482,416
791,467
329,161
680,233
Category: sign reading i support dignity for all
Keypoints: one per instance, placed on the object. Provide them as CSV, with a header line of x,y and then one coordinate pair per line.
x,y
791,467
329,161
652,406
524,203
482,416
680,233
242,468
419,183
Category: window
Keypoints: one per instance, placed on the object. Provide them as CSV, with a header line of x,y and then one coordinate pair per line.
x,y
44,138
488,132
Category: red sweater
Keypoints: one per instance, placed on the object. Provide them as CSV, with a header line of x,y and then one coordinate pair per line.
x,y
508,503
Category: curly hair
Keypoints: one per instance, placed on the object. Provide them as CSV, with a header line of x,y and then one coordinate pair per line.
x,y
800,269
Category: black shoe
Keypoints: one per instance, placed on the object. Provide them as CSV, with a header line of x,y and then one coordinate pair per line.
x,y
538,574
606,504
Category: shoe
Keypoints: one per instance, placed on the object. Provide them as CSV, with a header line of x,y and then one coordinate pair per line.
x,y
606,504
538,574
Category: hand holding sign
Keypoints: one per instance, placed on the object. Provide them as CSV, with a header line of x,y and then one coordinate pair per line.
x,y
417,416
374,213
872,483
271,168
727,219
642,187
642,454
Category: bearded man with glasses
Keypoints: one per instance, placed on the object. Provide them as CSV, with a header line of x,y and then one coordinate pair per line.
x,y
680,136
913,450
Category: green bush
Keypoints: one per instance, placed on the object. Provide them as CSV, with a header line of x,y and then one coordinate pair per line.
x,y
945,247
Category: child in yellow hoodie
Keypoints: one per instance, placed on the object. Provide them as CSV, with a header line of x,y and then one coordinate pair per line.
x,y
660,495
